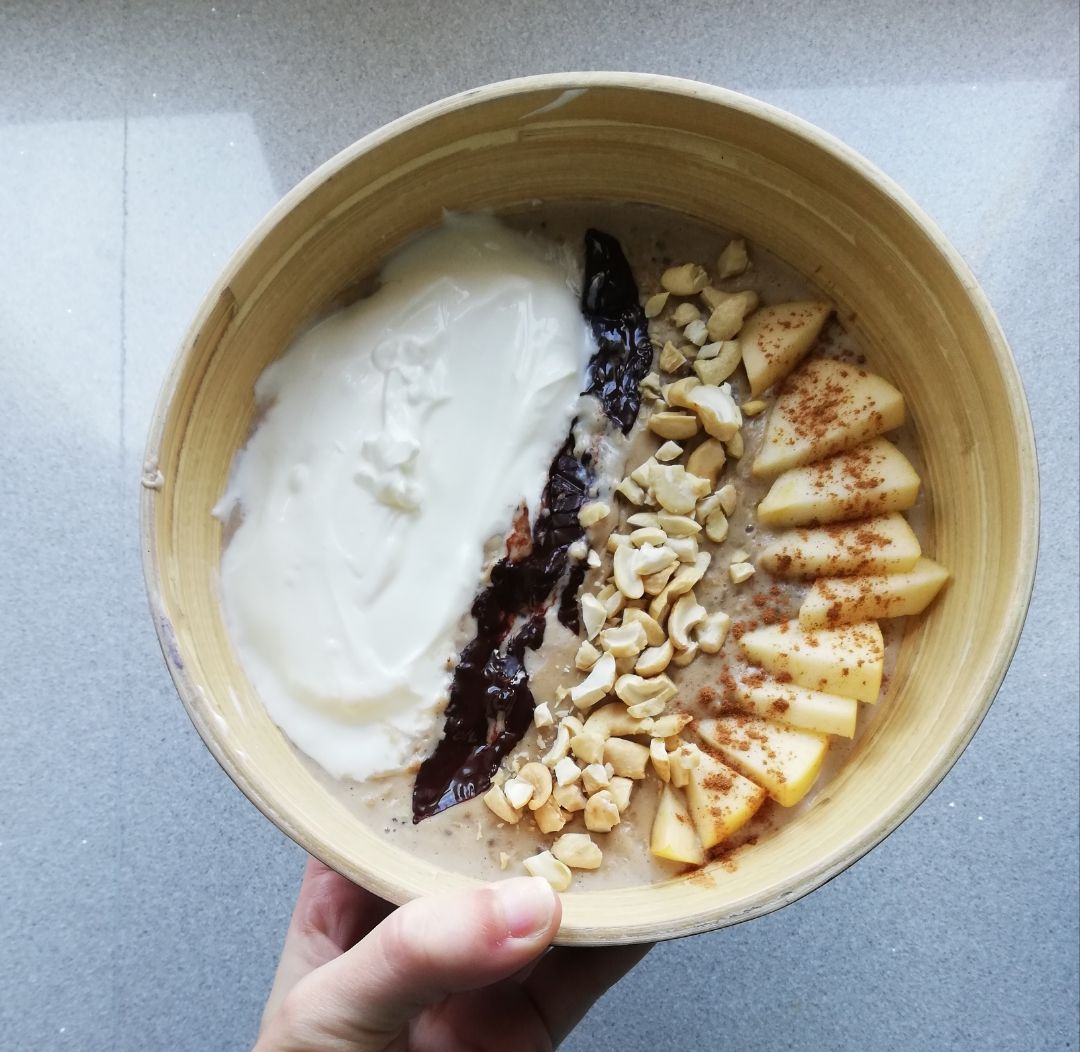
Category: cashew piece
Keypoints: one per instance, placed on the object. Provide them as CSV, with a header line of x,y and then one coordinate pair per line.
x,y
546,865
539,777
601,812
497,803
577,851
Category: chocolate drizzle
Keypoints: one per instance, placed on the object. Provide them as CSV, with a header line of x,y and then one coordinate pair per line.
x,y
490,705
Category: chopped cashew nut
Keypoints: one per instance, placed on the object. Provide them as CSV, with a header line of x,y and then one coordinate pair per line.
x,y
674,425
679,525
593,559
707,506
504,860
628,759
577,851
741,572
628,640
497,803
740,555
659,755
655,583
652,559
728,498
709,351
569,797
593,615
671,358
613,719
549,817
625,572
651,383
716,526
588,748
591,513
560,748
717,410
712,632
697,332
735,445
539,777
546,865
685,280
685,614
669,451
707,460
719,364
633,690
642,474
643,518
729,310
518,792
683,658
754,408
601,812
586,656
621,789
566,772
676,489
686,548
594,778
631,491
654,660
542,716
670,725
654,634
685,313
687,576
647,535
655,304
596,685
733,260
678,393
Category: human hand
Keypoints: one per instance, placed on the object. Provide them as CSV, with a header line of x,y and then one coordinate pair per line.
x,y
461,971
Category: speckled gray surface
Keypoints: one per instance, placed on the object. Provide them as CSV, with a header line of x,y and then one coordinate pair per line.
x,y
145,899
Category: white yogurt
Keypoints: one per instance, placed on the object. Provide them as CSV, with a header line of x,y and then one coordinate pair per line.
x,y
400,435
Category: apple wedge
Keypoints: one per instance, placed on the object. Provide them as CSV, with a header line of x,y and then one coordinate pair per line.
x,y
774,339
886,544
673,834
721,800
870,479
782,760
848,661
843,600
825,407
810,710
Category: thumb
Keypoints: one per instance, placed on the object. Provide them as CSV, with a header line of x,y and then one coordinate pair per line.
x,y
423,952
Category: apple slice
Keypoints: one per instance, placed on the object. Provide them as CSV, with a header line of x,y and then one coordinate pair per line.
x,y
870,479
836,601
673,833
721,800
825,407
774,339
782,760
848,661
886,544
811,710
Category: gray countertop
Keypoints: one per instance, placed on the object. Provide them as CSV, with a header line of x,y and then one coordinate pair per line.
x,y
145,898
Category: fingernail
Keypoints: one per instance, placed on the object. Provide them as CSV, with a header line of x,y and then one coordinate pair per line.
x,y
527,904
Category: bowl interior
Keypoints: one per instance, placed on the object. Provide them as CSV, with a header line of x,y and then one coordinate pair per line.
x,y
714,156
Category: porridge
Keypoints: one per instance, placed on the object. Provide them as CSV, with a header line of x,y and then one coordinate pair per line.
x,y
602,637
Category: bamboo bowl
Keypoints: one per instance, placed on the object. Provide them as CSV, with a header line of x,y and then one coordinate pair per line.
x,y
714,155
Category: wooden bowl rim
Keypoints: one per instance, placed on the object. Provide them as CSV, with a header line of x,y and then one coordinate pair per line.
x,y
1027,512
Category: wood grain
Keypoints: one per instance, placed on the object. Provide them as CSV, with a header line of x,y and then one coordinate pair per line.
x,y
714,155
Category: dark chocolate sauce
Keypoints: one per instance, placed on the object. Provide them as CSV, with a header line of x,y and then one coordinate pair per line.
x,y
490,705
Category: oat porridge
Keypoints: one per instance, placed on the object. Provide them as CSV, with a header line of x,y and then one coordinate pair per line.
x,y
576,548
